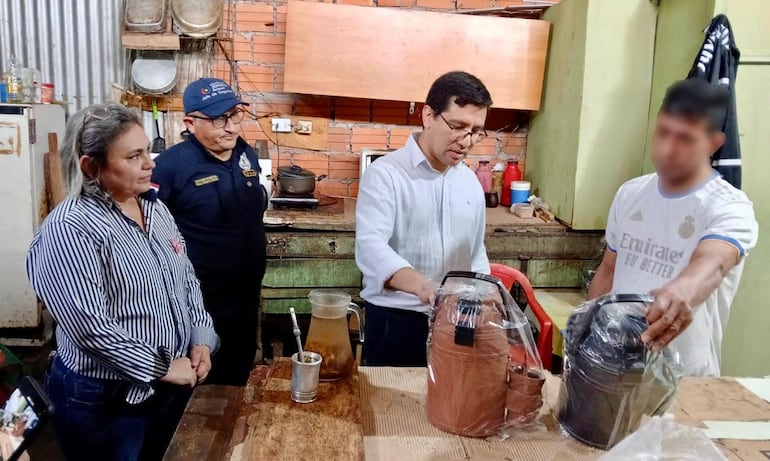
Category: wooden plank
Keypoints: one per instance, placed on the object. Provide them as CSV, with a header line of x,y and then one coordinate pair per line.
x,y
272,426
206,427
279,293
144,102
527,244
393,54
317,140
327,244
295,273
551,273
340,216
281,306
535,245
502,218
142,41
278,300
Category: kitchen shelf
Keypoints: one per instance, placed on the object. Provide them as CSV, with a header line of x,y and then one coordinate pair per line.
x,y
146,41
166,103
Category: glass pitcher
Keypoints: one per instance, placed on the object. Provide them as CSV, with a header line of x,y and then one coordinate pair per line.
x,y
329,335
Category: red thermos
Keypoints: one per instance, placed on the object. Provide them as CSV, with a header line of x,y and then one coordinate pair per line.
x,y
512,173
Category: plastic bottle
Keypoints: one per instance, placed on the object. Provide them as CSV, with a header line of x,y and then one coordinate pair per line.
x,y
13,80
497,176
512,173
484,174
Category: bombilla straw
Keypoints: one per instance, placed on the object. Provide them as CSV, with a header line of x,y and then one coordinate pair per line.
x,y
296,334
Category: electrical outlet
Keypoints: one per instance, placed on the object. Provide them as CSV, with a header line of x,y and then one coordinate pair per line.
x,y
304,127
281,125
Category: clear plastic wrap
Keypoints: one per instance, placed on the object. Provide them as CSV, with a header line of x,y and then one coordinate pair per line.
x,y
484,371
611,380
661,438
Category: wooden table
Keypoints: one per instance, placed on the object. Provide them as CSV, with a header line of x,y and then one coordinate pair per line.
x,y
341,216
379,414
261,422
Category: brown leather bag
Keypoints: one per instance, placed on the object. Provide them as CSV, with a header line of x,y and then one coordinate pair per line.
x,y
469,365
467,386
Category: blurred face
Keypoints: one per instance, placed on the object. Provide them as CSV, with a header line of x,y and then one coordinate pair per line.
x,y
128,169
682,148
218,135
447,138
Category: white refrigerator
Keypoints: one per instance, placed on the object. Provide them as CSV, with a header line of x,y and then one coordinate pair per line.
x,y
24,133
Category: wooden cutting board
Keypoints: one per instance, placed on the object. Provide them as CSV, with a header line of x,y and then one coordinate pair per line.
x,y
272,426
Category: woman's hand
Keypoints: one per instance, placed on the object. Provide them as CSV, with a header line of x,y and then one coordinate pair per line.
x,y
181,373
200,359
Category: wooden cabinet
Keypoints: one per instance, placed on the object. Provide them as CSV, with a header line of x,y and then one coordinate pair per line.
x,y
393,54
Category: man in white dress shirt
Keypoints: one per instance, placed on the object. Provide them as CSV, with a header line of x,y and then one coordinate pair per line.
x,y
420,214
682,233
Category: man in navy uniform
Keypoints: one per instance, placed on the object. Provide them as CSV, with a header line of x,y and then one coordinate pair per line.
x,y
210,182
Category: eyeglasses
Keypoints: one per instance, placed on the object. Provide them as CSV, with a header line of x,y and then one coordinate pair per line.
x,y
96,112
460,134
221,122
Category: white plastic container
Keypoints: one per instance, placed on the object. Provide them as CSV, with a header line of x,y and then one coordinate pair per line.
x,y
520,191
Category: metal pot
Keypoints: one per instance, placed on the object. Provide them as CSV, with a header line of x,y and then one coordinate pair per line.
x,y
197,18
295,180
154,72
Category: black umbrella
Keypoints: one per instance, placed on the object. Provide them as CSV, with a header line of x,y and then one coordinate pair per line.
x,y
717,62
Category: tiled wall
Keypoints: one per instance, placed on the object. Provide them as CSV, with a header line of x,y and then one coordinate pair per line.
x,y
258,45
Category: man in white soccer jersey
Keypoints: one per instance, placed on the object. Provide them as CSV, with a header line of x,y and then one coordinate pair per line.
x,y
682,233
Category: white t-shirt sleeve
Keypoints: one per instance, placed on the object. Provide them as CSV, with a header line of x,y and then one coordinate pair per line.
x,y
733,223
612,222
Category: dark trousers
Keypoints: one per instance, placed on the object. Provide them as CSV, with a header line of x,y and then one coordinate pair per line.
x,y
235,313
92,420
395,337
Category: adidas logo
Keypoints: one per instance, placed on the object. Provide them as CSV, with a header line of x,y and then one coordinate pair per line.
x,y
637,216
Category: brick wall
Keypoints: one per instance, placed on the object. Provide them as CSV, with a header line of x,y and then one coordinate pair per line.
x,y
258,43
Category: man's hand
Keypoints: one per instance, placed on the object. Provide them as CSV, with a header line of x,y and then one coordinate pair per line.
x,y
180,373
200,360
669,315
411,281
427,292
672,310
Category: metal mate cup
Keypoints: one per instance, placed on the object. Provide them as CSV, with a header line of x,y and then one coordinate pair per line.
x,y
304,377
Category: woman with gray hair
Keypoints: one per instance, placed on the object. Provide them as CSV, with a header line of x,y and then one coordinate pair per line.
x,y
110,264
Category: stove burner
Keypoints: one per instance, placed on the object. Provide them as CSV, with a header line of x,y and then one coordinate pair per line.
x,y
286,200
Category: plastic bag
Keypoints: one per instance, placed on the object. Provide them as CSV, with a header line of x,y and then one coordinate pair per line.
x,y
611,380
484,371
663,439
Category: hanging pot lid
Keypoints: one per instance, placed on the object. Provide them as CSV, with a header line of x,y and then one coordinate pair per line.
x,y
197,18
154,73
294,172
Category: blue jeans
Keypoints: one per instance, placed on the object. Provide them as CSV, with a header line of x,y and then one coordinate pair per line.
x,y
92,420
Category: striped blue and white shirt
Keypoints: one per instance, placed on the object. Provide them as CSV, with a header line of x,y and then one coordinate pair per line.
x,y
126,300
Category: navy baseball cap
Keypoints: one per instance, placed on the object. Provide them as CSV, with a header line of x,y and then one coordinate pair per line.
x,y
211,96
